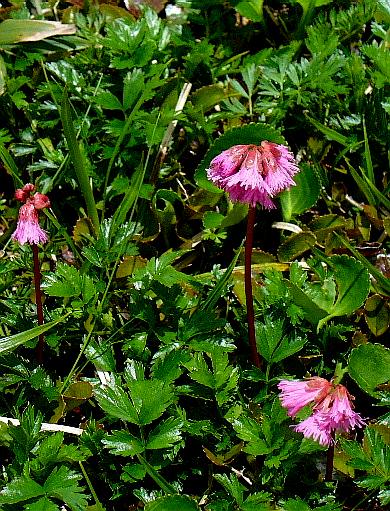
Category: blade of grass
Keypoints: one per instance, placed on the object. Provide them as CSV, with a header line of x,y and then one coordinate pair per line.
x,y
11,342
367,154
121,137
78,160
362,184
10,165
330,133
378,194
217,292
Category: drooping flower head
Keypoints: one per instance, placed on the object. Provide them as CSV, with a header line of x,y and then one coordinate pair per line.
x,y
296,394
332,407
254,174
28,229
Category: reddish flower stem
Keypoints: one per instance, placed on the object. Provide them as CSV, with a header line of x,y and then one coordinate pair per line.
x,y
329,461
38,301
248,287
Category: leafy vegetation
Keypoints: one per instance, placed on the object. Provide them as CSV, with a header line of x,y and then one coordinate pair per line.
x,y
146,396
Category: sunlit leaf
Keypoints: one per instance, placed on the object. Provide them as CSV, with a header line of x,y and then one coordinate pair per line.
x,y
16,31
369,366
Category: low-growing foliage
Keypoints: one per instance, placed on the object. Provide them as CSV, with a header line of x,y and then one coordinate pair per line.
x,y
136,386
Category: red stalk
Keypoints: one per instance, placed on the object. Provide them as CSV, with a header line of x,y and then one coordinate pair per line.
x,y
248,287
38,301
329,461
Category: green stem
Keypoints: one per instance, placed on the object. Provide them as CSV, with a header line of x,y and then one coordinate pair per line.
x,y
73,369
157,478
329,461
98,505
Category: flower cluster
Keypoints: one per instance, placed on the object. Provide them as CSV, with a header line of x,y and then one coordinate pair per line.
x,y
254,174
332,407
28,229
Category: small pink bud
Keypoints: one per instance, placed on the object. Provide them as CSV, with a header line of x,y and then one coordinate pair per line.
x,y
40,201
28,229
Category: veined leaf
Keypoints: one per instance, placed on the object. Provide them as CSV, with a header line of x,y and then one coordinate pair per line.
x,y
20,489
63,484
165,435
304,195
369,366
147,400
352,282
123,443
43,504
295,245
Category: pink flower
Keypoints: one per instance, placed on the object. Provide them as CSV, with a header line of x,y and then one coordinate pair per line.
x,y
296,394
317,427
28,229
332,408
338,408
254,174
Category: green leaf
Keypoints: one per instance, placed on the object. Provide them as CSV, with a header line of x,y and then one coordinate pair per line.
x,y
43,504
17,31
249,134
165,435
11,342
330,133
208,96
251,9
273,345
199,371
108,100
296,505
377,314
167,366
62,484
212,220
382,281
352,282
20,489
311,310
67,281
295,245
221,284
148,400
133,85
172,503
114,401
250,431
232,486
48,449
304,195
369,366
123,443
157,478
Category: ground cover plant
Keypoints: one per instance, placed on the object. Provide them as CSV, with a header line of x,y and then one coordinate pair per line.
x,y
194,276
